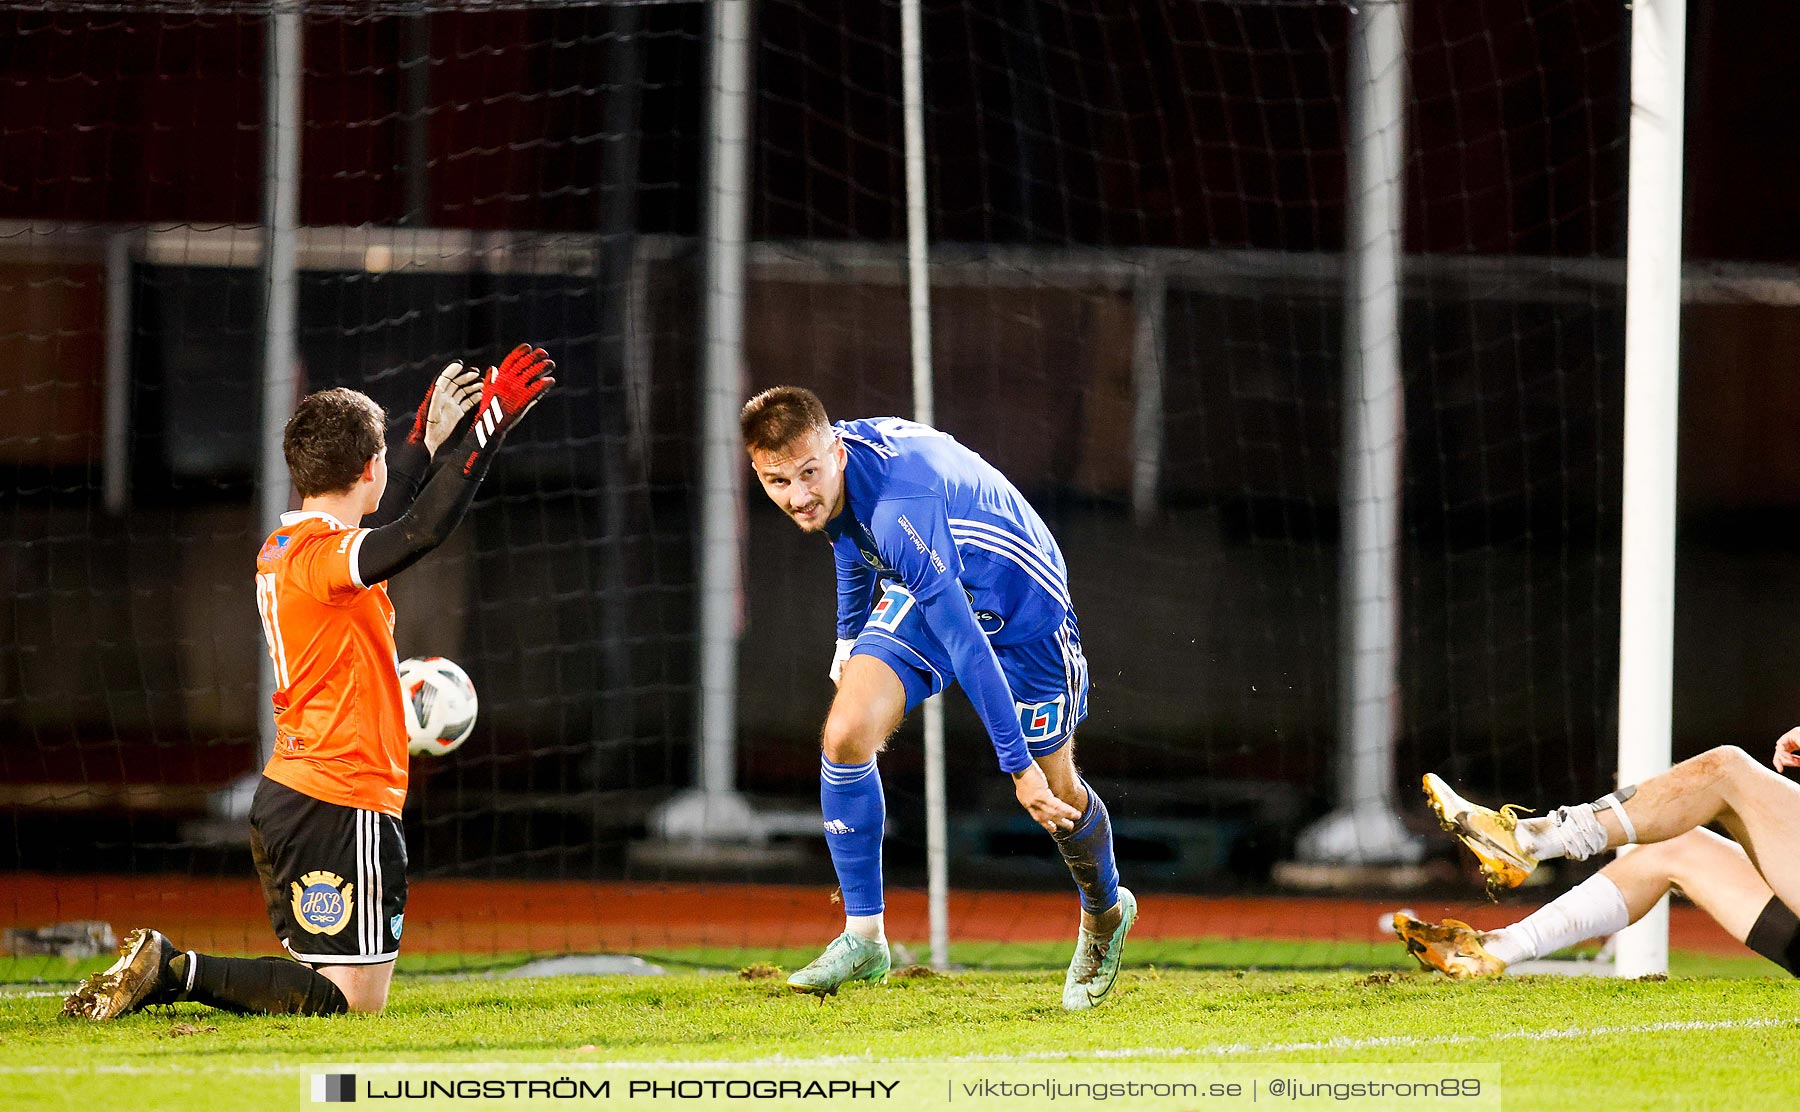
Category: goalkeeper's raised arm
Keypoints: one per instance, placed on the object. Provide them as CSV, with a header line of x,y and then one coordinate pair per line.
x,y
448,400
495,400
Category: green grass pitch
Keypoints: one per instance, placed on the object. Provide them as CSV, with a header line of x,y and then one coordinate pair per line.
x,y
1721,1033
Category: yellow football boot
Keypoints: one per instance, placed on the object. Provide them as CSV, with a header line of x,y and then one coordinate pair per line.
x,y
1451,947
1491,835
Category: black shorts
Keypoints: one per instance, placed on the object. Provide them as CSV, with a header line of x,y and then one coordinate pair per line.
x,y
1776,936
334,878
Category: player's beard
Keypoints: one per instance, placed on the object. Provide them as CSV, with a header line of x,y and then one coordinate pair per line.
x,y
813,521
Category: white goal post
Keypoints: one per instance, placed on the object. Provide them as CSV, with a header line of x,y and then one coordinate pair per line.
x,y
1652,385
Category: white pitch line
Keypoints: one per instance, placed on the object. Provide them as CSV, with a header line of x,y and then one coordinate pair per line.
x,y
1221,1050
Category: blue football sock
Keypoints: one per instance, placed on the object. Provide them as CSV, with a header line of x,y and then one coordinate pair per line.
x,y
1088,851
855,812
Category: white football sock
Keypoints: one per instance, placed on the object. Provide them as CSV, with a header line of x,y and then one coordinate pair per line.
x,y
871,927
1538,837
1506,944
1593,908
1571,832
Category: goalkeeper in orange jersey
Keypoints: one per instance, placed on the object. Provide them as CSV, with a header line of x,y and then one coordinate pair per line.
x,y
325,823
1749,883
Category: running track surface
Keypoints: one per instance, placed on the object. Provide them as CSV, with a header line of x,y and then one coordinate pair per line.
x,y
493,916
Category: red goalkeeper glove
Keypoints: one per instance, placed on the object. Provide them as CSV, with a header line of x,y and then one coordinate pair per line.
x,y
507,393
452,394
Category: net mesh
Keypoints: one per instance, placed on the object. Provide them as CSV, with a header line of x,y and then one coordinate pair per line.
x,y
1138,215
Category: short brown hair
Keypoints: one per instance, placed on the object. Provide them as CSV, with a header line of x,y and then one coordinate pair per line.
x,y
778,417
331,437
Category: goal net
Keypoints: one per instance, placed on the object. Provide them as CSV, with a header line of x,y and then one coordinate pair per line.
x,y
1142,240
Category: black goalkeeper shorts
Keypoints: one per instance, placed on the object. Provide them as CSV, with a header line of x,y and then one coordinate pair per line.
x,y
334,878
1776,936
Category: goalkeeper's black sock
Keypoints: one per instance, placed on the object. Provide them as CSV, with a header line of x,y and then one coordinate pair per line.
x,y
273,986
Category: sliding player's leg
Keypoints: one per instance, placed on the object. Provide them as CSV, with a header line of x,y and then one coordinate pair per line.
x,y
1721,785
1714,872
872,699
1724,784
1775,931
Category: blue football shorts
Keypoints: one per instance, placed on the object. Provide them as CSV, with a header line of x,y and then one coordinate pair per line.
x,y
1048,677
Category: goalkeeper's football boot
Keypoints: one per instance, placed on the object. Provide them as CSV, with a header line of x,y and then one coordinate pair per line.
x,y
139,979
850,957
1451,947
1096,963
1493,836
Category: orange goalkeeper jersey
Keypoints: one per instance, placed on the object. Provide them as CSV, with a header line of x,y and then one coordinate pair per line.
x,y
339,732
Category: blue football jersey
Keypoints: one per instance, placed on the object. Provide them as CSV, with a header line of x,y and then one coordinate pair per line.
x,y
926,511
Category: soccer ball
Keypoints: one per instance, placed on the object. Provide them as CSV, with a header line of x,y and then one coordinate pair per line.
x,y
439,703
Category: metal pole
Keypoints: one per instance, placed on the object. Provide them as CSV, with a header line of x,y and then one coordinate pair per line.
x,y
1364,830
1150,302
918,288
615,710
281,218
116,481
717,809
1652,394
415,172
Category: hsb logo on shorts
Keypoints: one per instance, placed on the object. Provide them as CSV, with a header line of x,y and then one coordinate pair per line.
x,y
319,905
1041,720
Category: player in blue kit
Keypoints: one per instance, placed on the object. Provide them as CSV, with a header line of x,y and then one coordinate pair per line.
x,y
944,574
